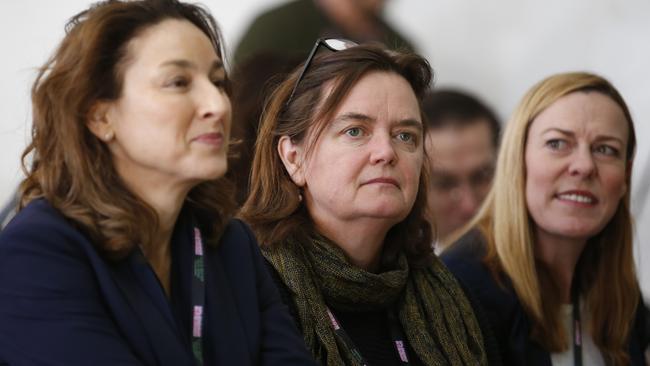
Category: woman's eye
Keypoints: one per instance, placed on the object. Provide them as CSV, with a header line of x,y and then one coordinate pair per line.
x,y
607,150
179,82
353,132
406,137
220,83
556,144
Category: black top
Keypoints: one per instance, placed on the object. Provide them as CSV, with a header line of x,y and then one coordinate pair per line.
x,y
509,322
370,332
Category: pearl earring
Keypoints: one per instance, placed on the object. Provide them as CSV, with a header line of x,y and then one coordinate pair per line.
x,y
108,136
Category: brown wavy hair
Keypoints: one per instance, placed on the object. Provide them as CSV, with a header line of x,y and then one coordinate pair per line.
x,y
273,208
604,274
71,168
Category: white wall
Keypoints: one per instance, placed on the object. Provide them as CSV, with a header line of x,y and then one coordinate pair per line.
x,y
497,49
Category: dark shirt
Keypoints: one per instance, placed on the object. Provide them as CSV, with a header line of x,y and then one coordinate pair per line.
x,y
506,316
370,332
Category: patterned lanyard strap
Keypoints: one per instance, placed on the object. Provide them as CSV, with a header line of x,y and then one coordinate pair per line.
x,y
198,297
395,331
577,331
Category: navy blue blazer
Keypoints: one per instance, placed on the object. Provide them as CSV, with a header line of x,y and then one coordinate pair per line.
x,y
61,303
505,314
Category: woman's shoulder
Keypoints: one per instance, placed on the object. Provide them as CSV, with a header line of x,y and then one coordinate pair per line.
x,y
237,236
465,260
283,289
465,256
238,251
39,224
497,302
37,212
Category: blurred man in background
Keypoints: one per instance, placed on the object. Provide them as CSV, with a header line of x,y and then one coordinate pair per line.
x,y
462,141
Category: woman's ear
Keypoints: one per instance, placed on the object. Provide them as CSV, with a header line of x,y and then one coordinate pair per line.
x,y
98,121
292,158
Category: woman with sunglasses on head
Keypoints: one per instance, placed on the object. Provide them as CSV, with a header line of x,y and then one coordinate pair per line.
x,y
549,256
338,203
124,251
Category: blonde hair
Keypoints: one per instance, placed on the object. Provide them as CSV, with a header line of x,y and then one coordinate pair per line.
x,y
605,271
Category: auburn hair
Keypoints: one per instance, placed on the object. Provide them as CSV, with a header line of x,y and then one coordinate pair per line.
x,y
70,167
273,207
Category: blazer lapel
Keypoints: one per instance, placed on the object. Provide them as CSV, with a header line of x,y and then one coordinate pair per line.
x,y
158,337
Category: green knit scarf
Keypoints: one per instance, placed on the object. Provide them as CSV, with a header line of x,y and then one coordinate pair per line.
x,y
436,316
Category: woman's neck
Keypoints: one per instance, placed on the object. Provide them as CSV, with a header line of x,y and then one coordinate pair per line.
x,y
166,198
560,255
158,252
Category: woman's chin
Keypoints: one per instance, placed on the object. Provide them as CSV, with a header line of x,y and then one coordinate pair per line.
x,y
390,213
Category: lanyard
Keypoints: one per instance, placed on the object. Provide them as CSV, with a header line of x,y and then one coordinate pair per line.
x,y
395,331
577,331
198,297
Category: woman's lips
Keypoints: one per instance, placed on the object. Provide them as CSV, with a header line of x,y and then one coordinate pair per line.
x,y
578,197
382,180
212,138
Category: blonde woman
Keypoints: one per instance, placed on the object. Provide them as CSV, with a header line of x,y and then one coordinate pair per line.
x,y
549,255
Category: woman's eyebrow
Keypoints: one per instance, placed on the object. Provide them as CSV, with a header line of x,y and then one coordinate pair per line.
x,y
570,133
355,116
187,64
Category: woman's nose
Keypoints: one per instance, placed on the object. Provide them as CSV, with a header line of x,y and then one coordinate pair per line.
x,y
382,150
213,103
582,163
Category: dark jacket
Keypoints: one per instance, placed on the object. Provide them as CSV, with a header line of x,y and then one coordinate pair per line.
x,y
61,303
510,323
